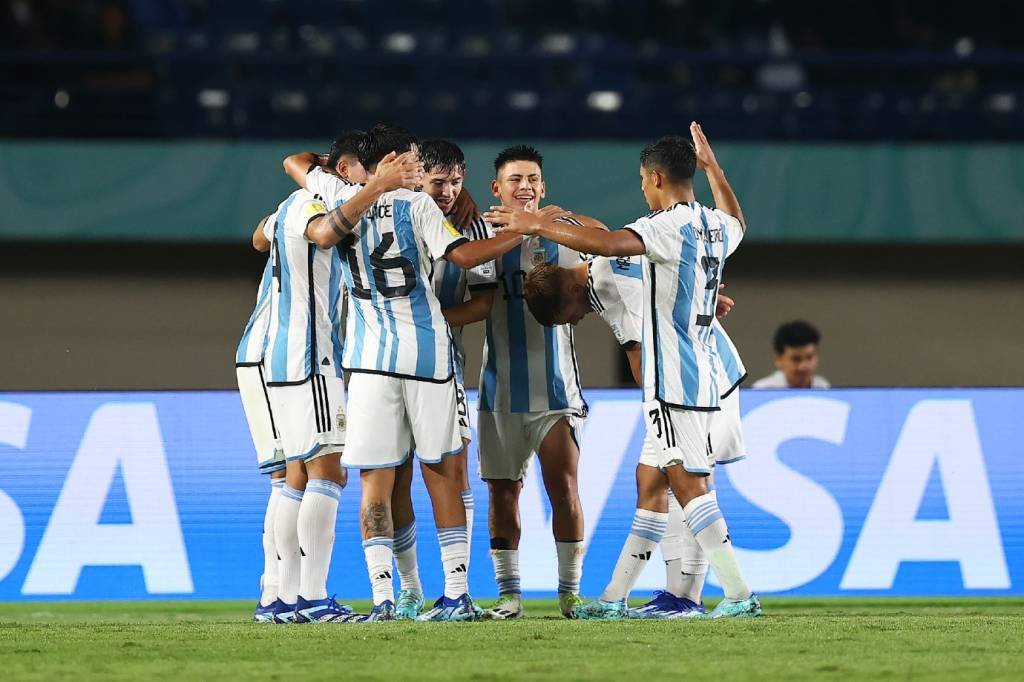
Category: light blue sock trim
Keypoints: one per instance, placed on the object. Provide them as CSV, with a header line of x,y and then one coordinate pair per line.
x,y
322,486
509,585
452,536
380,540
291,493
405,538
277,483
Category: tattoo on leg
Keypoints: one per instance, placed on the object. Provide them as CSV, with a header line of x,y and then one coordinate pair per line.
x,y
377,520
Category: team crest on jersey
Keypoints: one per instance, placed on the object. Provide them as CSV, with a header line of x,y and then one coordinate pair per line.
x,y
341,419
538,257
315,207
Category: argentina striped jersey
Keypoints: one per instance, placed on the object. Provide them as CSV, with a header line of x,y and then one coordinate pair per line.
x,y
395,325
685,251
254,338
528,367
305,292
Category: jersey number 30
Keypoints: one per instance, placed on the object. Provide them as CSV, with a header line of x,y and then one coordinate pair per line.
x,y
380,264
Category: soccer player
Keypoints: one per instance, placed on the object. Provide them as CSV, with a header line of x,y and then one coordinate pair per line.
x,y
530,402
306,392
402,389
613,288
260,417
342,161
444,167
684,246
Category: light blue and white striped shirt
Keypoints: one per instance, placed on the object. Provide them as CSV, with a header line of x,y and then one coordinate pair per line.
x,y
254,339
305,294
395,325
686,247
528,367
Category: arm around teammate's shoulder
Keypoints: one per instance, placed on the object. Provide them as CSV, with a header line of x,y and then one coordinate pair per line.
x,y
298,166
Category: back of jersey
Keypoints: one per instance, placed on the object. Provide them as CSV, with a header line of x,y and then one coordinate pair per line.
x,y
528,367
686,247
395,325
301,341
253,343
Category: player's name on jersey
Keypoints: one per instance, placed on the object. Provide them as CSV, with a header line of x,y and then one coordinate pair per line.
x,y
378,211
712,235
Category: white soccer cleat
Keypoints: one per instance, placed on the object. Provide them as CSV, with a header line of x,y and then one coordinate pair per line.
x,y
509,607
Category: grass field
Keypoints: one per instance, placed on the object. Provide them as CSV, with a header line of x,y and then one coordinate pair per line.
x,y
797,639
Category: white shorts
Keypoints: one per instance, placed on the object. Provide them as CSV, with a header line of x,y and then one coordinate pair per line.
x,y
310,417
509,439
256,404
390,417
462,409
727,430
677,436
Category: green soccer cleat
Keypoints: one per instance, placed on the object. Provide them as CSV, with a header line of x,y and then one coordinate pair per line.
x,y
737,608
599,609
568,603
409,605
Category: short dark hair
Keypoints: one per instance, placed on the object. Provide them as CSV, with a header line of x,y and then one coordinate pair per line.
x,y
381,140
545,292
519,152
442,156
794,334
350,143
673,156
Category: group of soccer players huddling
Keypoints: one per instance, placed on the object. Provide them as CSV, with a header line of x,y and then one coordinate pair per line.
x,y
381,238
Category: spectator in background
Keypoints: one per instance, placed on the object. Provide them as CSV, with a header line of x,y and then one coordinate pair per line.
x,y
796,358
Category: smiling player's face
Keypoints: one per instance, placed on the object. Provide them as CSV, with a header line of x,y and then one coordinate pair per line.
x,y
519,183
443,187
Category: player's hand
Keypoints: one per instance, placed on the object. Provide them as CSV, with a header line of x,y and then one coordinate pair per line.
x,y
705,157
520,221
725,304
464,210
322,159
396,171
552,212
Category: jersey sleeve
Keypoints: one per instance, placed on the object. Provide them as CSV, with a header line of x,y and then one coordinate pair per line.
x,y
330,188
568,257
620,297
485,275
270,226
660,244
733,231
437,232
300,215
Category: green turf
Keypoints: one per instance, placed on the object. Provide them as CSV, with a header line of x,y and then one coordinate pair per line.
x,y
840,639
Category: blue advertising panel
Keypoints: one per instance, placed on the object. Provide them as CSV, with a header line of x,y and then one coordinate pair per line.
x,y
863,491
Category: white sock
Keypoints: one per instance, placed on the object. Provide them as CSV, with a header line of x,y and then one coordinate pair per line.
x,y
647,531
454,560
506,571
405,558
467,501
570,566
271,579
686,567
379,552
286,536
317,515
705,520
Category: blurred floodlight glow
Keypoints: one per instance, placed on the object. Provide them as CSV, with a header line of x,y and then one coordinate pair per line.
x,y
604,100
213,98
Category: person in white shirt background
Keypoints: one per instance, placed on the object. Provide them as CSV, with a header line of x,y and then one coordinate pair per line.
x,y
796,358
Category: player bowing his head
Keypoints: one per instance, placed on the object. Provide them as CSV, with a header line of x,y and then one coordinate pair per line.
x,y
684,246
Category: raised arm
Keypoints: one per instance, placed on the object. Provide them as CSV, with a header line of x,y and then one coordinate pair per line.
x,y
592,240
725,198
393,172
470,254
297,166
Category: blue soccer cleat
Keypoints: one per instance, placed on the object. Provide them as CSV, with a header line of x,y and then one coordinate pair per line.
x,y
382,612
283,613
265,614
737,608
409,604
666,606
453,610
599,609
320,611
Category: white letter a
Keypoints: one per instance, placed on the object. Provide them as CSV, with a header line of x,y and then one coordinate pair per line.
x,y
125,434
